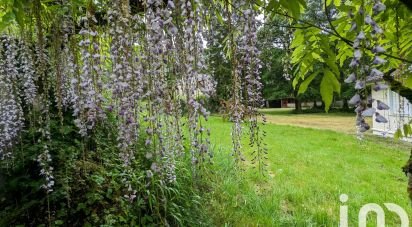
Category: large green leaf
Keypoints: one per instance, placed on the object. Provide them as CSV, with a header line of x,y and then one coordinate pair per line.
x,y
328,86
298,53
305,84
294,7
219,17
298,39
273,5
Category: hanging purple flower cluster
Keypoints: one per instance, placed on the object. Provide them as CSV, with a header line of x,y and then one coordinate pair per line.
x,y
69,82
145,86
122,76
152,68
250,60
125,90
365,68
157,49
17,75
67,64
247,86
11,113
28,74
195,82
42,61
88,97
44,158
237,110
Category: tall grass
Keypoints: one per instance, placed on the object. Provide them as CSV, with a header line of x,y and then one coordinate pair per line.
x,y
308,170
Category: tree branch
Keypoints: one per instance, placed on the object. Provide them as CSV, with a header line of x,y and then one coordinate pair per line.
x,y
334,33
333,27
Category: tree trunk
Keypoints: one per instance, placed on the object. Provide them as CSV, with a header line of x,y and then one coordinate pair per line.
x,y
345,104
298,105
315,104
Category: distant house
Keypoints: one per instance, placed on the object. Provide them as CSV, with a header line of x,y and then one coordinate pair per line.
x,y
400,112
281,103
289,103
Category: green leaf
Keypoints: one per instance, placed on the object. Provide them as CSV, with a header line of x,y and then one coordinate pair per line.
x,y
298,53
334,80
337,2
328,2
273,5
298,39
332,66
317,56
219,17
303,3
328,86
305,84
326,92
408,81
292,6
295,82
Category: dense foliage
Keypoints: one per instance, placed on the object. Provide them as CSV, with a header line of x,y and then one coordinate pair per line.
x,y
369,37
105,103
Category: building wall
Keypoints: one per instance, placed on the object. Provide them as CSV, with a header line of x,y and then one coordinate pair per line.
x,y
308,104
396,117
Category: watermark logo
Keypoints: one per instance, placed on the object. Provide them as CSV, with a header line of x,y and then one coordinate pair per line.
x,y
372,207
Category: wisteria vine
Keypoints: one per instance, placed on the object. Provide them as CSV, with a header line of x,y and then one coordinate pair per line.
x,y
247,86
145,70
365,69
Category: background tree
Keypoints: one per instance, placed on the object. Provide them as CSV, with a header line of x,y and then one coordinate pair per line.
x,y
219,65
274,41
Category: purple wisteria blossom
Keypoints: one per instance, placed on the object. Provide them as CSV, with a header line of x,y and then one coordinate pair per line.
x,y
362,70
11,113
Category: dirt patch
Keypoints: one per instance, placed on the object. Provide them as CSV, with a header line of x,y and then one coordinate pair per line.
x,y
337,122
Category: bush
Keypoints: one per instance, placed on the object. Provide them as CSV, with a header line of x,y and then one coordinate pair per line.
x,y
89,188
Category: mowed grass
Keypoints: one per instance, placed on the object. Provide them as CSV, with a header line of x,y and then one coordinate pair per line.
x,y
308,169
342,122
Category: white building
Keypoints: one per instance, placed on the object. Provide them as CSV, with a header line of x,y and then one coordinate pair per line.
x,y
400,112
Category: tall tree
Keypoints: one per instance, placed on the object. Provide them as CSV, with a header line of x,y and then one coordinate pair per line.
x,y
274,41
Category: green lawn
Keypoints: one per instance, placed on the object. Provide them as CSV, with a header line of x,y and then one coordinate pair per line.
x,y
308,170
